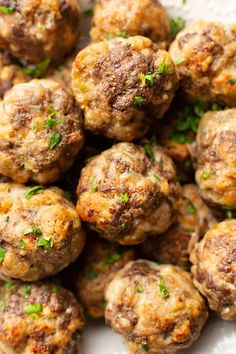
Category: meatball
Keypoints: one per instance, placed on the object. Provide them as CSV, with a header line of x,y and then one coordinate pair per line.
x,y
38,30
214,268
193,221
126,195
156,308
39,318
10,73
97,267
123,85
40,232
125,18
41,131
205,54
216,158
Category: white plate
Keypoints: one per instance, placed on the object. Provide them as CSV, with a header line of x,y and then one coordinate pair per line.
x,y
218,337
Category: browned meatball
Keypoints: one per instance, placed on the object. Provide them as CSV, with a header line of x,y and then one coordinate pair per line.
x,y
114,18
214,268
216,158
193,221
40,232
39,318
205,55
36,30
40,131
123,85
10,73
97,267
127,196
156,308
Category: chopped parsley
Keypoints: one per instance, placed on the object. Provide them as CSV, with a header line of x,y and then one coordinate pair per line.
x,y
147,79
11,287
138,100
205,175
144,347
232,82
54,140
32,229
37,70
33,309
2,254
56,290
113,258
192,210
21,244
34,190
91,274
88,13
139,288
163,289
27,291
93,188
149,151
45,242
177,24
163,68
51,122
157,177
112,35
124,197
7,10
229,214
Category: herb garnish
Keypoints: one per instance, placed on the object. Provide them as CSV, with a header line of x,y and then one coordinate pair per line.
x,y
33,309
54,140
2,254
37,70
33,191
163,289
147,79
124,197
7,10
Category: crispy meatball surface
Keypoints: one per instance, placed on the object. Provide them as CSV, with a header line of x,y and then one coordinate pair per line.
x,y
127,196
205,55
147,18
36,30
214,268
39,318
10,73
122,85
97,267
40,131
193,220
156,308
216,158
40,232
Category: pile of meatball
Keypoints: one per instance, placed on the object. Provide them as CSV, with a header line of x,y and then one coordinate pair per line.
x,y
117,175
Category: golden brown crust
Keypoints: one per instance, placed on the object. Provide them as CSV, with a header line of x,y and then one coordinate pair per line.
x,y
98,265
39,234
107,85
205,53
193,221
214,268
216,158
39,29
156,308
146,18
54,328
127,196
27,152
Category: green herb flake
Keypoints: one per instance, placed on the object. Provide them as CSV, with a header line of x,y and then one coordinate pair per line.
x,y
163,289
109,36
91,274
124,197
232,82
138,100
157,177
147,79
37,70
229,214
149,152
139,288
45,242
33,309
205,175
51,123
68,195
144,347
56,290
7,10
177,24
26,291
93,189
21,244
33,191
32,229
112,258
123,35
10,286
2,305
88,13
54,140
216,107
163,68
192,210
2,254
